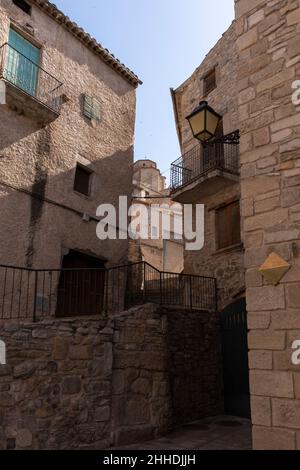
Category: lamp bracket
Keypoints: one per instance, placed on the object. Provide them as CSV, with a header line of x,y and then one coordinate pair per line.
x,y
232,138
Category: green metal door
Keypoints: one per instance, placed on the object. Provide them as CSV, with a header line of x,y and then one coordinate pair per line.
x,y
23,59
235,359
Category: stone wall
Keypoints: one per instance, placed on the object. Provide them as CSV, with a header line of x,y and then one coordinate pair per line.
x,y
55,390
90,384
194,346
42,159
141,401
269,53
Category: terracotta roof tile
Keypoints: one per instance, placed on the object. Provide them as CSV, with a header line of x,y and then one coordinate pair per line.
x,y
90,42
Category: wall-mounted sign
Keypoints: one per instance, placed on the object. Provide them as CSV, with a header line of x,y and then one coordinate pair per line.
x,y
274,268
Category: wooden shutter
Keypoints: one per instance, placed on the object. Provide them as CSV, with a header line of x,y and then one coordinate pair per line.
x,y
228,225
91,108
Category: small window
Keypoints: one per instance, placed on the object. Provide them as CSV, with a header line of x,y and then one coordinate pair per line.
x,y
228,225
91,108
23,5
210,82
82,183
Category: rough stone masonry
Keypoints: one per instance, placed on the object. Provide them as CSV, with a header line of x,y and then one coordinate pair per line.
x,y
90,383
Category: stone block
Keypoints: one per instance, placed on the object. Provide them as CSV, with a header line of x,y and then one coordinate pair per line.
x,y
141,386
118,382
271,383
24,370
247,207
261,414
60,348
281,135
266,340
102,414
260,321
282,360
290,146
71,385
286,123
293,17
256,17
267,205
286,320
261,360
24,439
272,82
265,298
259,185
297,384
246,95
293,295
267,220
6,399
247,39
137,411
265,438
253,278
266,162
40,333
80,352
286,413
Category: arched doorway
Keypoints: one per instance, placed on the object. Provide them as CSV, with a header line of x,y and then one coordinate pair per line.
x,y
235,359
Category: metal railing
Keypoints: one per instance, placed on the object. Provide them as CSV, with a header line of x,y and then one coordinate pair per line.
x,y
222,154
29,77
36,294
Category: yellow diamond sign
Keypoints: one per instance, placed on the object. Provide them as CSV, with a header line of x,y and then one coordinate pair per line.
x,y
274,268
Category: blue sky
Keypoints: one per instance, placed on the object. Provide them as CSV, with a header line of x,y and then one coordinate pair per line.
x,y
163,41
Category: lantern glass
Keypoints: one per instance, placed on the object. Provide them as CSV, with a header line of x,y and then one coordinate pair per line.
x,y
212,122
204,122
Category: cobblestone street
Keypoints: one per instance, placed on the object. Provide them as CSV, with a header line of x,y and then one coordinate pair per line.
x,y
218,433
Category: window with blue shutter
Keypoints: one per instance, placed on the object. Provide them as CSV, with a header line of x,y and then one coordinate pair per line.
x,y
91,108
23,60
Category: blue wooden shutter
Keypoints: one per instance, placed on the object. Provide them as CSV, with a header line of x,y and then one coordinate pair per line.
x,y
23,60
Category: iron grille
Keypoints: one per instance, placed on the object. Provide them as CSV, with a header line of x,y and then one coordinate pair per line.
x,y
222,154
26,75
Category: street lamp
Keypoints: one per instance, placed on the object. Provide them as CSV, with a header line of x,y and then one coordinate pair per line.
x,y
204,122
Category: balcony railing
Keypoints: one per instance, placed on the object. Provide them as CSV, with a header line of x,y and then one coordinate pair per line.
x,y
30,78
221,154
48,293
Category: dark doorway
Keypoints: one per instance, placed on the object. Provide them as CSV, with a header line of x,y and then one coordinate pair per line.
x,y
81,286
235,360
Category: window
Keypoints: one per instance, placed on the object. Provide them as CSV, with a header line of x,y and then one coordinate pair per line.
x,y
210,82
91,108
22,66
82,183
23,5
228,225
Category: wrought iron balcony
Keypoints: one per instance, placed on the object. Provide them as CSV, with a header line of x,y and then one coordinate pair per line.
x,y
197,170
29,88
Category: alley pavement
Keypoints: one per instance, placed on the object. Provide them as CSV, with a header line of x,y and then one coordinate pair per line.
x,y
218,433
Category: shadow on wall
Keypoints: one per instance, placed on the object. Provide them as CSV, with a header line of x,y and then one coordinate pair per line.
x,y
36,230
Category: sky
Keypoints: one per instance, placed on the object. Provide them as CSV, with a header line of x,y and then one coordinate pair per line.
x,y
163,42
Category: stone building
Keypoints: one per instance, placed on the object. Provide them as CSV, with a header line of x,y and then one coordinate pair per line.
x,y
269,51
199,179
66,139
162,250
250,78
